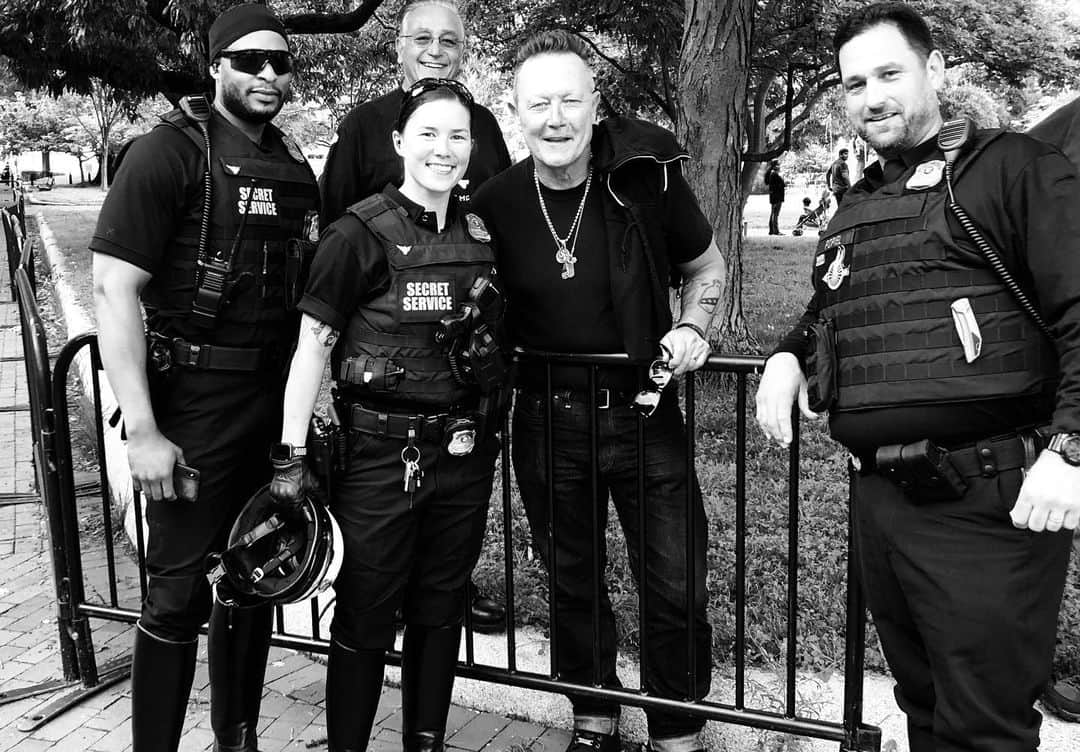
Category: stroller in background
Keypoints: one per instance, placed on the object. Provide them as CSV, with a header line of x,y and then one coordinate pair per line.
x,y
817,217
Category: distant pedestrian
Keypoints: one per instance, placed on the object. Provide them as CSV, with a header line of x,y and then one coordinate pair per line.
x,y
838,179
776,184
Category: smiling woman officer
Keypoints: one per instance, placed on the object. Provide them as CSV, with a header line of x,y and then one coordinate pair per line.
x,y
392,277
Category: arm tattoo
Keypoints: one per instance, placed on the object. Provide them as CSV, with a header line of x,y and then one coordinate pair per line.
x,y
325,334
704,293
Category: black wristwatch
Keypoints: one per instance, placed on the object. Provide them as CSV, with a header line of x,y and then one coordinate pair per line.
x,y
1067,445
286,452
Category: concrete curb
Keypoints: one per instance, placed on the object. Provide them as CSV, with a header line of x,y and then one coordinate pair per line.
x,y
78,321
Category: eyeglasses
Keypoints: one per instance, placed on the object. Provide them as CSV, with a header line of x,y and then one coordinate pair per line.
x,y
424,85
423,41
253,61
660,374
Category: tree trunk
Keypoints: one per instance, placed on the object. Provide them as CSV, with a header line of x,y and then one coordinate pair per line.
x,y
46,165
104,169
713,79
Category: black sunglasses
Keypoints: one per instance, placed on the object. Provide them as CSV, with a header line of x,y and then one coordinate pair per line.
x,y
660,373
425,85
253,61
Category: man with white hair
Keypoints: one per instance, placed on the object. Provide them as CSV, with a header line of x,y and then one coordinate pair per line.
x,y
589,231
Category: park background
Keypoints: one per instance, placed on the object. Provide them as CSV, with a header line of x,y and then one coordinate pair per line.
x,y
740,82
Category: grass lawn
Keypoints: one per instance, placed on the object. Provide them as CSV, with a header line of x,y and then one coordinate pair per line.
x,y
775,273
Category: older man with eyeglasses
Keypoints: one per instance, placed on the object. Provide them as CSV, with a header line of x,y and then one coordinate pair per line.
x,y
196,228
430,44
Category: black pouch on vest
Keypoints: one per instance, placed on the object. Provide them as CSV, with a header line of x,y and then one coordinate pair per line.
x,y
923,470
821,365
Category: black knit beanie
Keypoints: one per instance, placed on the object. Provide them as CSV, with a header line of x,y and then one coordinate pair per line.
x,y
240,20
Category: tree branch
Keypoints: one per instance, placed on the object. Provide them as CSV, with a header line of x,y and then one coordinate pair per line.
x,y
332,23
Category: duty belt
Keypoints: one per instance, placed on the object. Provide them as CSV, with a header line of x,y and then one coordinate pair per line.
x,y
984,458
397,425
168,352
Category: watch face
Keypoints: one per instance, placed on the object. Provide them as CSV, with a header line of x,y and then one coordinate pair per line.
x,y
1070,450
281,452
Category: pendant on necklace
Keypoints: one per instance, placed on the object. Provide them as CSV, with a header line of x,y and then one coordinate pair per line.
x,y
567,259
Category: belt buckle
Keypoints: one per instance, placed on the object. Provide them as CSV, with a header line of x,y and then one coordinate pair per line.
x,y
603,399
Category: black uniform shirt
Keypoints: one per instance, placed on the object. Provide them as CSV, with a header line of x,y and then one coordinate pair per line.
x,y
350,264
362,159
545,311
1024,196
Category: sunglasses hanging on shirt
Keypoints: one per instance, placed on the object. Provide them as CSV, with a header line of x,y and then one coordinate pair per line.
x,y
253,61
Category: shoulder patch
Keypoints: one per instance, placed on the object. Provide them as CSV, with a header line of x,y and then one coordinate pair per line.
x,y
476,228
292,148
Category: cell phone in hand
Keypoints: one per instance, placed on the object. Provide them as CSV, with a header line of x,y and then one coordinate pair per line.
x,y
185,482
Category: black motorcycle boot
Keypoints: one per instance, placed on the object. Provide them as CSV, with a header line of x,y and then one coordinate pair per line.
x,y
161,676
354,683
428,658
239,642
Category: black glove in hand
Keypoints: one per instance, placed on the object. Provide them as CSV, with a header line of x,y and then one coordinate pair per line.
x,y
292,480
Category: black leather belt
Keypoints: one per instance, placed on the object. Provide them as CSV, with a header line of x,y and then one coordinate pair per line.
x,y
605,398
218,357
397,425
984,458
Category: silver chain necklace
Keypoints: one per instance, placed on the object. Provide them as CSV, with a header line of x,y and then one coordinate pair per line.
x,y
563,254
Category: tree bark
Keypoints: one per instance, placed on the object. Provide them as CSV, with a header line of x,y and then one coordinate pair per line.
x,y
713,80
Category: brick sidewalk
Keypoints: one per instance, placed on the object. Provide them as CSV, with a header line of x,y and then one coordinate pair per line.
x,y
293,716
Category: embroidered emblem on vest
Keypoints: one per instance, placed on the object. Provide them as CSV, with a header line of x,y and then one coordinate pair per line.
x,y
926,175
476,228
834,275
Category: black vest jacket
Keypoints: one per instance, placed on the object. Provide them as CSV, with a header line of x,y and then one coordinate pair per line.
x,y
888,270
276,190
632,158
430,277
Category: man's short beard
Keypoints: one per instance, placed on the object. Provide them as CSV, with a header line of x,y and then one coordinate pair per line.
x,y
236,104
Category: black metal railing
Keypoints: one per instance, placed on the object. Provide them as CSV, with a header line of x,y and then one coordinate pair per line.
x,y
849,729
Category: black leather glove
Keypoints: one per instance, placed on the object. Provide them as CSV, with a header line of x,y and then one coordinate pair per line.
x,y
292,478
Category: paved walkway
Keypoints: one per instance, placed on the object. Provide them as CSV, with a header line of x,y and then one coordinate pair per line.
x,y
293,715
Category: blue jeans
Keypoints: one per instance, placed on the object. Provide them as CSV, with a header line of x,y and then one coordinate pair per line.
x,y
666,483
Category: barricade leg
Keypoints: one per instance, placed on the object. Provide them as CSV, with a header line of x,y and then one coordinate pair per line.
x,y
857,736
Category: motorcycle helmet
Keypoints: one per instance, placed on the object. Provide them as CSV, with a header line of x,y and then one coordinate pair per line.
x,y
277,555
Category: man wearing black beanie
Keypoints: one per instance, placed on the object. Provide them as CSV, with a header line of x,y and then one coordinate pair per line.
x,y
201,243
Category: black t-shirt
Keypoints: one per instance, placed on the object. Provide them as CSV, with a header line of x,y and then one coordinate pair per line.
x,y
545,311
362,160
1023,195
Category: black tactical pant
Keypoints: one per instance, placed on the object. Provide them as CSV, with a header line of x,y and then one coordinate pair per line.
x,y
413,552
966,607
225,423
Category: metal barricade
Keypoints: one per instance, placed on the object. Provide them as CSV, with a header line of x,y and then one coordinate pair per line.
x,y
850,731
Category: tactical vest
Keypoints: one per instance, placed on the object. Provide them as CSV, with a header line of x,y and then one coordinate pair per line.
x,y
430,277
276,190
887,271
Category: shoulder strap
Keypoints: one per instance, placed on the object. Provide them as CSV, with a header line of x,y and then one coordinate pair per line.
x,y
961,145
